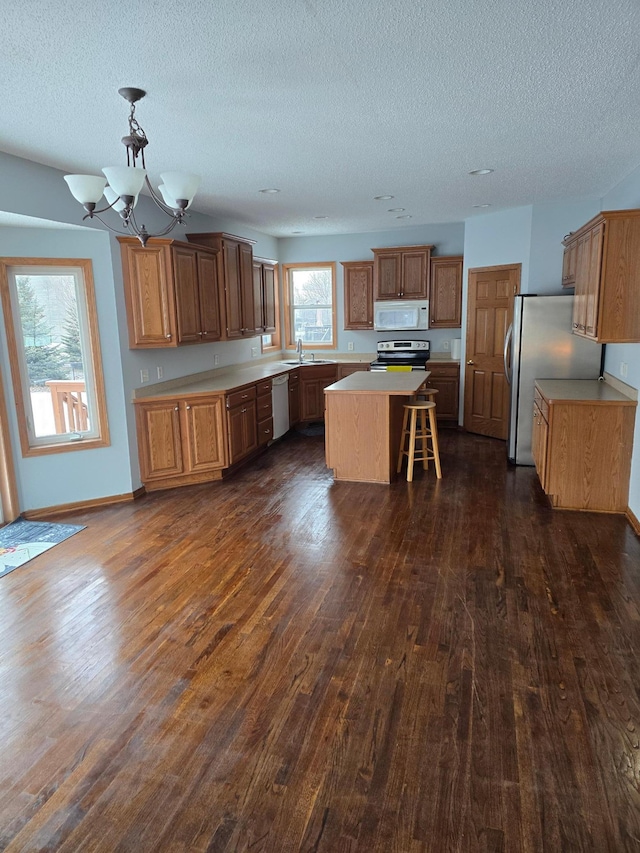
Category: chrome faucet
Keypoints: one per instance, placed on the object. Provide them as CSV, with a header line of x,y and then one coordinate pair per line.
x,y
299,350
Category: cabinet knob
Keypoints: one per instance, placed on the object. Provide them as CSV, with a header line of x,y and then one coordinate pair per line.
x,y
201,333
244,396
243,411
188,407
168,337
471,361
177,409
575,325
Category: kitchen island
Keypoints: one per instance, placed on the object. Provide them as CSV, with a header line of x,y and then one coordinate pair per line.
x,y
363,423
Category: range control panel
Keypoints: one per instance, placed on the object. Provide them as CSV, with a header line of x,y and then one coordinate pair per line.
x,y
403,346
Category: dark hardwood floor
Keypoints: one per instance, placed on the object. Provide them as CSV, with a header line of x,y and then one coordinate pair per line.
x,y
280,663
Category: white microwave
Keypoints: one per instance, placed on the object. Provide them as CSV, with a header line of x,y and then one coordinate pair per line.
x,y
406,315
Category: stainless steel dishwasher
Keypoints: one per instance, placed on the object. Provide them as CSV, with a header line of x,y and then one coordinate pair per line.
x,y
280,403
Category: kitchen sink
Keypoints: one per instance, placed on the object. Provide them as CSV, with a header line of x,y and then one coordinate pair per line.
x,y
311,361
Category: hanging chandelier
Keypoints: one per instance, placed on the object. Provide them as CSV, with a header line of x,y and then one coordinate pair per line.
x,y
122,184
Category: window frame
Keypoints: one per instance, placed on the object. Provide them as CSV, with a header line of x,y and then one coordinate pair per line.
x,y
29,446
289,304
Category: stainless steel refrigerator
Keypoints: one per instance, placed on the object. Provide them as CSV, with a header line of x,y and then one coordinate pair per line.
x,y
539,345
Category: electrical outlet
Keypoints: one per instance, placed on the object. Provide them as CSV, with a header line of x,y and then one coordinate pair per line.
x,y
254,352
623,369
445,345
216,359
144,375
350,346
160,372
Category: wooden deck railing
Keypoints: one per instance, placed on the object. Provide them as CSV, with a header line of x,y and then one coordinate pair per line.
x,y
69,411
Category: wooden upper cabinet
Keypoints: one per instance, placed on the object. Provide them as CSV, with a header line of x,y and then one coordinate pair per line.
x,y
149,293
401,272
171,293
607,277
445,296
235,281
569,262
264,293
358,294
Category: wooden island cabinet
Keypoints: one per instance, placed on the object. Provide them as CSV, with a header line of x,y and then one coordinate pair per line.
x,y
581,443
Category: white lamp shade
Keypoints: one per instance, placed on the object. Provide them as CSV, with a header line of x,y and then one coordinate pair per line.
x,y
180,185
112,197
170,202
87,189
125,180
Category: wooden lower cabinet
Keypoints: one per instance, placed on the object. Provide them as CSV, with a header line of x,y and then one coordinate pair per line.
x,y
446,378
313,381
180,441
242,423
581,443
348,369
294,398
264,409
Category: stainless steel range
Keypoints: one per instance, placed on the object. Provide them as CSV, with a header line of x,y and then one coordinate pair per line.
x,y
413,354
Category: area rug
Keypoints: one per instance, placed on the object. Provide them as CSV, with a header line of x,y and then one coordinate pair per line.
x,y
23,540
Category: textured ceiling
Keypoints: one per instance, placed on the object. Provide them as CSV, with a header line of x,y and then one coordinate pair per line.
x,y
334,101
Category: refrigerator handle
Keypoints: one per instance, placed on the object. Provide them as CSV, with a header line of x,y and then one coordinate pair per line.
x,y
505,355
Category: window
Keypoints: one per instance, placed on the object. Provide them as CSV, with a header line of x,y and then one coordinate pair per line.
x,y
54,351
310,298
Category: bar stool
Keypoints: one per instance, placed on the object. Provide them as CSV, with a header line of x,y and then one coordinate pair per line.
x,y
428,393
426,435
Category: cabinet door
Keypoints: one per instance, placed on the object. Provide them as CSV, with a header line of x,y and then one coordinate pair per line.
x,y
247,300
257,295
447,381
415,274
583,258
569,264
243,430
445,293
294,401
387,272
592,284
159,440
209,296
539,442
148,295
205,434
232,292
310,400
358,296
185,273
268,298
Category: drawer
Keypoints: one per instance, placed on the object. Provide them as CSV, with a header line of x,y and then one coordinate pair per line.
x,y
294,377
241,396
321,372
265,409
265,431
542,404
263,388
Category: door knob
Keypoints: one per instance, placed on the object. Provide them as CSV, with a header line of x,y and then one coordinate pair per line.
x,y
470,362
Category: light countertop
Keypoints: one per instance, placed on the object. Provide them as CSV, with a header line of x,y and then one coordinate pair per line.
x,y
380,382
581,390
221,380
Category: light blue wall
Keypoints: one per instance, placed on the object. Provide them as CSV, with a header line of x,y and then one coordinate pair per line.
x,y
623,196
448,239
62,477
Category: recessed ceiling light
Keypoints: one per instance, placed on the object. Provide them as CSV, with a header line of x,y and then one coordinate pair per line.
x,y
269,191
406,216
320,217
481,171
297,232
396,209
383,197
481,205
